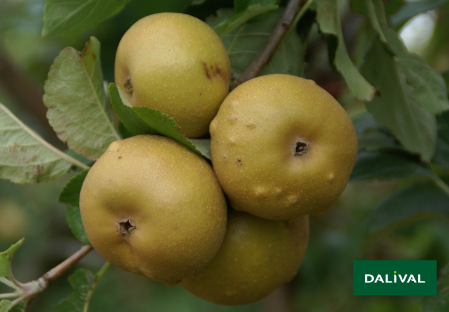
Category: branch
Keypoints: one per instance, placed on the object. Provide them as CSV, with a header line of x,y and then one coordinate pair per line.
x,y
27,291
60,269
263,57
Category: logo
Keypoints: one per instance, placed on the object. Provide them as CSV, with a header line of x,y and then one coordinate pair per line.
x,y
395,278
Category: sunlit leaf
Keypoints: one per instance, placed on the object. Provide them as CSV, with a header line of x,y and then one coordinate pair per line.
x,y
76,101
24,156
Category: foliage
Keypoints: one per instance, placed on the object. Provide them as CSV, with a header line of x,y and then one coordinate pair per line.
x,y
403,132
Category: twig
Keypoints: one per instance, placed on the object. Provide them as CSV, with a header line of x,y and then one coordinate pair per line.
x,y
267,51
27,291
61,268
99,275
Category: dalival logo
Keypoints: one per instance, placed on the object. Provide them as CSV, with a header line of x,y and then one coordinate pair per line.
x,y
397,278
394,277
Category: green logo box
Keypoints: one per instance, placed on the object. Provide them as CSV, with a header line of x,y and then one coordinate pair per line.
x,y
395,278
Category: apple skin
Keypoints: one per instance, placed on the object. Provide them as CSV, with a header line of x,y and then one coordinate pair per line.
x,y
177,64
153,207
256,257
282,147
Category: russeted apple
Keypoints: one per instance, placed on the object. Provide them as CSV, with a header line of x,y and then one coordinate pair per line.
x,y
282,147
177,64
153,207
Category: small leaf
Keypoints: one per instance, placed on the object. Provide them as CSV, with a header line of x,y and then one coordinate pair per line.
x,y
203,146
73,219
132,122
394,107
231,23
386,166
70,194
68,18
81,281
4,305
5,259
328,17
245,42
24,156
76,101
144,120
405,205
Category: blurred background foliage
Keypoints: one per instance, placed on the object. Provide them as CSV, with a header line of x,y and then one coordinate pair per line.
x,y
324,282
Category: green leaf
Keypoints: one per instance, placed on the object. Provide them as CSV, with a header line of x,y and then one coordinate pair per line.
x,y
242,5
394,107
412,8
386,166
197,2
73,219
328,17
76,101
24,156
374,139
410,203
245,42
4,305
132,122
438,303
231,23
141,120
203,146
429,87
70,194
5,259
443,126
441,156
68,18
81,282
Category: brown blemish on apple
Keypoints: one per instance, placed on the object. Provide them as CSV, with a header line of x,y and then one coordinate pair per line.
x,y
214,71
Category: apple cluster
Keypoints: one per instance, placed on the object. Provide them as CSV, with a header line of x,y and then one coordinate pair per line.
x,y
282,149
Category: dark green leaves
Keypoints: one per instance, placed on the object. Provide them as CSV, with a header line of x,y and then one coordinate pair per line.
x,y
142,120
81,282
244,42
70,195
328,17
412,202
244,11
68,18
76,101
394,107
386,166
